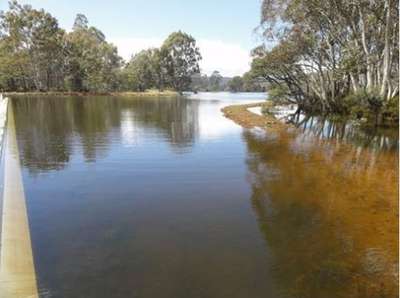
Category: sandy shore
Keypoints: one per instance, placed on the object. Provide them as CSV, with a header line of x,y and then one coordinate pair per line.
x,y
242,116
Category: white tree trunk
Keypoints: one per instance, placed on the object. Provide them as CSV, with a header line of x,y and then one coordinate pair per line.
x,y
386,51
366,51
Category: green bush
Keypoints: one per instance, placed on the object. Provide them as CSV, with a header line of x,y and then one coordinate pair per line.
x,y
390,109
278,94
363,104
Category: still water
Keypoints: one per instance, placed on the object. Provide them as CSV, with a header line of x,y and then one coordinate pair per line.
x,y
164,197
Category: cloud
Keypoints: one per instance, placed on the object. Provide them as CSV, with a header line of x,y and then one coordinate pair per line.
x,y
228,58
130,46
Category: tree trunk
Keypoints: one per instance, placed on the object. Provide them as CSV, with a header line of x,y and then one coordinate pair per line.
x,y
366,51
354,83
386,52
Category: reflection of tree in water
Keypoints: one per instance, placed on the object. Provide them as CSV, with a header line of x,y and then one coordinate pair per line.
x,y
93,120
328,214
48,129
45,130
176,118
342,130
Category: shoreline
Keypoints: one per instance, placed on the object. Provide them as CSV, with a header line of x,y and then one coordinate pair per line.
x,y
83,94
247,119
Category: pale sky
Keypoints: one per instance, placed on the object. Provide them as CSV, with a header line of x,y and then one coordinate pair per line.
x,y
224,29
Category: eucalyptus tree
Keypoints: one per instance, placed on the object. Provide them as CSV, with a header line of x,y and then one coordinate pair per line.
x,y
179,60
324,50
215,81
236,84
93,63
32,49
141,70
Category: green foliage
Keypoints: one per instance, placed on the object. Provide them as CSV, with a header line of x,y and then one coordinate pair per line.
x,y
215,81
251,83
391,109
13,67
236,84
179,60
323,51
363,104
37,55
92,63
200,82
278,94
370,105
245,83
141,70
32,49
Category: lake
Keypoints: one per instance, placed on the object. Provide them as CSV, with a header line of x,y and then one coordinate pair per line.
x,y
164,197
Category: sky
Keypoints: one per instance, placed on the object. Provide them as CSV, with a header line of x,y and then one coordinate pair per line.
x,y
224,29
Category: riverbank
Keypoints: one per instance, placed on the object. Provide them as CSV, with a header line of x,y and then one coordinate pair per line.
x,y
241,115
154,93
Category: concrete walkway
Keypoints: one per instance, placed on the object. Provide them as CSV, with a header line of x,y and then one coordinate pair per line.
x,y
17,272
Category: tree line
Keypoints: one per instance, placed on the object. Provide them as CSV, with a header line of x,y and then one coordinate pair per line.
x,y
37,55
331,56
216,82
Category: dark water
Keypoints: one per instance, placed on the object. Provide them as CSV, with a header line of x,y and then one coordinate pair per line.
x,y
163,197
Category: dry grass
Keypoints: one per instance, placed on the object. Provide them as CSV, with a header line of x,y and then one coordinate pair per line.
x,y
242,116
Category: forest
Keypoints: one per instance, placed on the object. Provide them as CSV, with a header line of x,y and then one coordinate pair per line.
x,y
37,55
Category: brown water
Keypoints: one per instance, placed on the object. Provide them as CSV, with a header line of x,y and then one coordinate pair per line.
x,y
163,197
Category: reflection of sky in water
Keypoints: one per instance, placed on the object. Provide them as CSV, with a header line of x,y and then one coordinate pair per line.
x,y
228,97
211,125
129,131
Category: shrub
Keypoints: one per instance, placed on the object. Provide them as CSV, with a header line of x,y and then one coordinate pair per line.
x,y
363,104
390,110
278,94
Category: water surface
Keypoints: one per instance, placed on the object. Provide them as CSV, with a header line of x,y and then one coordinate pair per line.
x,y
164,197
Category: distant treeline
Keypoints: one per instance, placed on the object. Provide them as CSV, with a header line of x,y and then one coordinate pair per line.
x,y
216,82
331,56
37,55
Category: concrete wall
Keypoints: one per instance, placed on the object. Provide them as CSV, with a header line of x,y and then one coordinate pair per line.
x,y
3,118
17,271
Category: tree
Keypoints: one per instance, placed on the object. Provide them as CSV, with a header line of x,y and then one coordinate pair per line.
x,y
236,84
81,22
179,60
251,84
325,50
93,64
215,81
37,55
32,48
141,70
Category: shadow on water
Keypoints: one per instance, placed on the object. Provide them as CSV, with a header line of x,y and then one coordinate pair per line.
x,y
329,213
